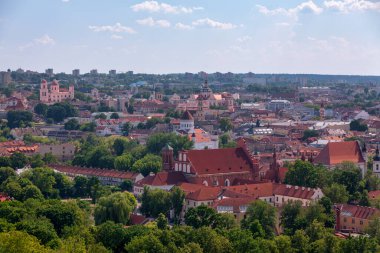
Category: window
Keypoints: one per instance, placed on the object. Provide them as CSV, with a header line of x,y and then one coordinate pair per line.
x,y
345,219
353,221
361,222
377,167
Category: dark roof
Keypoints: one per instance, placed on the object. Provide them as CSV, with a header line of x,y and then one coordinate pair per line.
x,y
187,116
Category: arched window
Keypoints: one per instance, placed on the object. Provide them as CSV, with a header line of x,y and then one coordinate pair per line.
x,y
227,182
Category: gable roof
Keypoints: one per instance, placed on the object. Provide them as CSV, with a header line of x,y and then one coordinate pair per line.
x,y
162,178
187,116
361,212
215,161
338,152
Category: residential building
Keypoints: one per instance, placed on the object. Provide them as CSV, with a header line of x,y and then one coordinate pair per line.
x,y
62,152
76,72
277,105
5,78
105,176
354,219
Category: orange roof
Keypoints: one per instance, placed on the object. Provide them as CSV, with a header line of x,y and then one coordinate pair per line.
x,y
374,194
162,178
338,152
200,136
253,190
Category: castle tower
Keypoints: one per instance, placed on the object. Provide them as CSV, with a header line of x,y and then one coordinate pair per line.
x,y
376,163
167,158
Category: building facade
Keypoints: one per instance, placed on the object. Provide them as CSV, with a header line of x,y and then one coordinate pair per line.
x,y
50,94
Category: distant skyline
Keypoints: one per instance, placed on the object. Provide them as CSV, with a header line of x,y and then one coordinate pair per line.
x,y
169,36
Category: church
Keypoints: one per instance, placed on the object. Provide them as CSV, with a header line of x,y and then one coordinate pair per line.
x,y
50,94
200,138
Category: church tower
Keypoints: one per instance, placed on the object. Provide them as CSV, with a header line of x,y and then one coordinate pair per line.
x,y
167,158
322,111
186,122
376,163
44,92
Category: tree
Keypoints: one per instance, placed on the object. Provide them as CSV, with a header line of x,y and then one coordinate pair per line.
x,y
154,202
36,161
111,235
290,217
349,175
150,163
201,216
72,124
101,116
225,124
303,173
5,161
356,125
61,214
284,243
18,160
19,118
126,185
177,199
5,173
119,145
309,133
300,241
126,128
42,229
264,213
32,192
116,207
56,112
162,222
114,115
337,193
88,127
41,109
157,142
18,241
80,186
124,162
146,244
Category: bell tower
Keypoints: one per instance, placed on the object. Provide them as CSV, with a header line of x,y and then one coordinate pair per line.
x,y
167,158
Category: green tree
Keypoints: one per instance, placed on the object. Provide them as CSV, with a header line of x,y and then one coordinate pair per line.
x,y
31,191
56,112
177,199
119,145
154,202
116,207
356,125
80,186
41,109
300,241
146,244
114,115
264,213
337,193
225,124
124,162
41,228
126,128
284,243
290,217
303,173
157,142
309,133
162,222
5,173
18,241
19,118
150,163
112,236
201,216
18,160
72,124
5,161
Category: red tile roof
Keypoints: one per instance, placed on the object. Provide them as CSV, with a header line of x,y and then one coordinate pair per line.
x,y
94,172
361,212
374,194
162,178
215,161
337,152
293,191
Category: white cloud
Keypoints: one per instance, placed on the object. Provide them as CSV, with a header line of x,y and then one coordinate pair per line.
x,y
244,39
117,28
352,5
45,40
151,22
283,24
181,26
308,6
213,24
116,37
154,6
65,1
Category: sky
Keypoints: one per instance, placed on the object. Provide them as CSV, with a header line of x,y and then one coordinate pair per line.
x,y
172,36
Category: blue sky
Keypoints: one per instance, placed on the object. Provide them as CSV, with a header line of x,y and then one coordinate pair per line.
x,y
264,36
